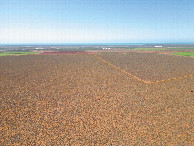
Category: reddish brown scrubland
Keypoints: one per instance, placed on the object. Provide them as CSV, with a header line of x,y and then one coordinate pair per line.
x,y
81,100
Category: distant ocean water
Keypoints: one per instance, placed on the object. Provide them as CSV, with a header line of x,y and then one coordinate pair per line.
x,y
78,44
71,44
97,44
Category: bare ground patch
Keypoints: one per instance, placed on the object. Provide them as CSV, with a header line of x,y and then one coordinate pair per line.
x,y
152,67
66,52
79,100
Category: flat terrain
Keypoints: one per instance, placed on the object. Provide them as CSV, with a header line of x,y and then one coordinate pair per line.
x,y
81,100
66,53
150,66
185,54
148,49
17,53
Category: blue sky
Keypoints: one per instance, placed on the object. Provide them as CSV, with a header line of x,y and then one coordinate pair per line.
x,y
96,21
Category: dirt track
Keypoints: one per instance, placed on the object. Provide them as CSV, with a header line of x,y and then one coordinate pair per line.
x,y
152,67
78,99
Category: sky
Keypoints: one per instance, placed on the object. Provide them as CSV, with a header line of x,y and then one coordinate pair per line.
x,y
96,21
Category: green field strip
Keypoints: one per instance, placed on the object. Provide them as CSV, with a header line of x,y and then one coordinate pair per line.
x,y
17,53
191,54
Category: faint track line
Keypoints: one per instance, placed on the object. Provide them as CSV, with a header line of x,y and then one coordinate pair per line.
x,y
139,79
113,66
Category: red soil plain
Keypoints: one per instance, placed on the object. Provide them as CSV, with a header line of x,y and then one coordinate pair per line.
x,y
66,52
81,100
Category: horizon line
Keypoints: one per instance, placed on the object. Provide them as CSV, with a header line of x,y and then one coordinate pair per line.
x,y
96,43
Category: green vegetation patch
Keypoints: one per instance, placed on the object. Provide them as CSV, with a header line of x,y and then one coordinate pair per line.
x,y
147,49
182,48
17,53
185,54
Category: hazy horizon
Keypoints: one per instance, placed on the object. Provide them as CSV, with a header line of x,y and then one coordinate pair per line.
x,y
183,43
